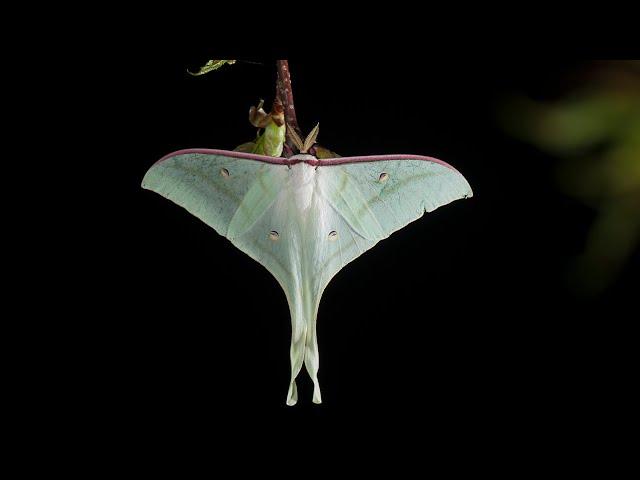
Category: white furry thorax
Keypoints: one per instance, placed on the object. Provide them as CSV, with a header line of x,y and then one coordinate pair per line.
x,y
303,181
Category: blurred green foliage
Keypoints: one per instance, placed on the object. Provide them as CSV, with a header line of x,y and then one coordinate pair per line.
x,y
594,131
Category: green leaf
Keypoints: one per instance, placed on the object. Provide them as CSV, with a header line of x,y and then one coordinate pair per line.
x,y
210,66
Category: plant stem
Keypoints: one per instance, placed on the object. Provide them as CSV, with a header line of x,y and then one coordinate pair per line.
x,y
284,94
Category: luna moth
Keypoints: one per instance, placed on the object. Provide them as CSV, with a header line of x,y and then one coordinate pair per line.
x,y
304,218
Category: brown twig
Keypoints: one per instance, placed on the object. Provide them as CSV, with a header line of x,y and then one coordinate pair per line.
x,y
284,94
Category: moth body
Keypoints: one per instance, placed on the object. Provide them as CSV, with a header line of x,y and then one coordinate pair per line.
x,y
303,181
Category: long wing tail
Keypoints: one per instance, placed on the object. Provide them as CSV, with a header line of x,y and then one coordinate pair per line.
x,y
304,343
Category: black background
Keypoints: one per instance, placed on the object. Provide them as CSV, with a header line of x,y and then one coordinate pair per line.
x,y
463,326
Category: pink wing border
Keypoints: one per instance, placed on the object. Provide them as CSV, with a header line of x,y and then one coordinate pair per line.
x,y
319,163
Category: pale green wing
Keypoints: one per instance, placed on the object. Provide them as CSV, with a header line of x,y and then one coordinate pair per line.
x,y
371,199
226,192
